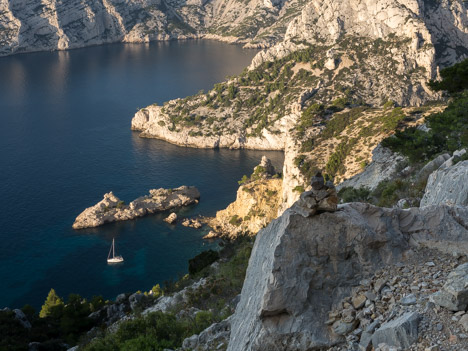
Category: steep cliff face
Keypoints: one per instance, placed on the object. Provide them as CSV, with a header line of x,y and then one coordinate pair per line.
x,y
431,27
34,25
301,268
257,203
255,207
57,25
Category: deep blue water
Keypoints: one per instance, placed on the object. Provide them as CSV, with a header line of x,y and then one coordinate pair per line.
x,y
65,140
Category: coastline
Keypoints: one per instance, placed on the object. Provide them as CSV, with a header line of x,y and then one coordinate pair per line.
x,y
210,37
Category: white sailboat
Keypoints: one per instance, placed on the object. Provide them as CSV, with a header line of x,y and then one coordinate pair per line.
x,y
114,258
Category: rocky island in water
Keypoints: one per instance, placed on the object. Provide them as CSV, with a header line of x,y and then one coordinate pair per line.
x,y
112,209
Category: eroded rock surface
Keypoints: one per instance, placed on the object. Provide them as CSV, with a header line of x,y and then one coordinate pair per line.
x,y
256,204
112,209
447,186
301,267
383,166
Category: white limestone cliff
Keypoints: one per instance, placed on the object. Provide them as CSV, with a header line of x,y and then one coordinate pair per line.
x,y
37,25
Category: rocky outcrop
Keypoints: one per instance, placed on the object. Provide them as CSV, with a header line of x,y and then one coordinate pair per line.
x,y
292,177
383,167
301,267
215,337
256,204
447,186
171,218
192,223
112,209
166,303
432,165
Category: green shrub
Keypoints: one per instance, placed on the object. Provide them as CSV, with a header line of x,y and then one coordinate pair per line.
x,y
448,132
299,189
349,194
454,78
157,291
235,220
448,129
389,104
52,306
244,180
203,320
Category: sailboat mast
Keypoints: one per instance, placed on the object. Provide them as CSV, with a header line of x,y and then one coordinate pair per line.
x,y
113,248
110,250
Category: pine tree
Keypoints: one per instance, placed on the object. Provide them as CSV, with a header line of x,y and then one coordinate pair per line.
x,y
52,305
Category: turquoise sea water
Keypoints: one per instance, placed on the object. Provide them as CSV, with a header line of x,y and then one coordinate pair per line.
x,y
65,140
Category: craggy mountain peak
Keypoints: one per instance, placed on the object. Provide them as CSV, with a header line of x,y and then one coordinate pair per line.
x,y
435,31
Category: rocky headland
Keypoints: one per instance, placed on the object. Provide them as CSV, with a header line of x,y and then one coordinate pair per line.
x,y
112,209
257,203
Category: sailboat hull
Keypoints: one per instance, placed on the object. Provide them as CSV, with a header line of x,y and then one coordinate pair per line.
x,y
115,259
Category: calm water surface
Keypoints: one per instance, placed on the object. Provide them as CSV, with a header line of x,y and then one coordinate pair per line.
x,y
65,140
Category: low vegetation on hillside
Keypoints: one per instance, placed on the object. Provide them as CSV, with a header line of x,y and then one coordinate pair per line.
x,y
446,131
256,99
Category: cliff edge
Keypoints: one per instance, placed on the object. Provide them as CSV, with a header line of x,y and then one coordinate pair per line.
x,y
301,268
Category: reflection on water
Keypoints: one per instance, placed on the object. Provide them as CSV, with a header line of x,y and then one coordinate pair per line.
x,y
65,139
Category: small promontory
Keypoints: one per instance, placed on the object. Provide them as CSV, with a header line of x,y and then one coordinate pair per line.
x,y
112,209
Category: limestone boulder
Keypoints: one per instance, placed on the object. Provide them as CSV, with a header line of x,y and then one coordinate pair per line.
x,y
171,218
454,293
136,300
215,337
21,317
447,186
401,332
432,166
